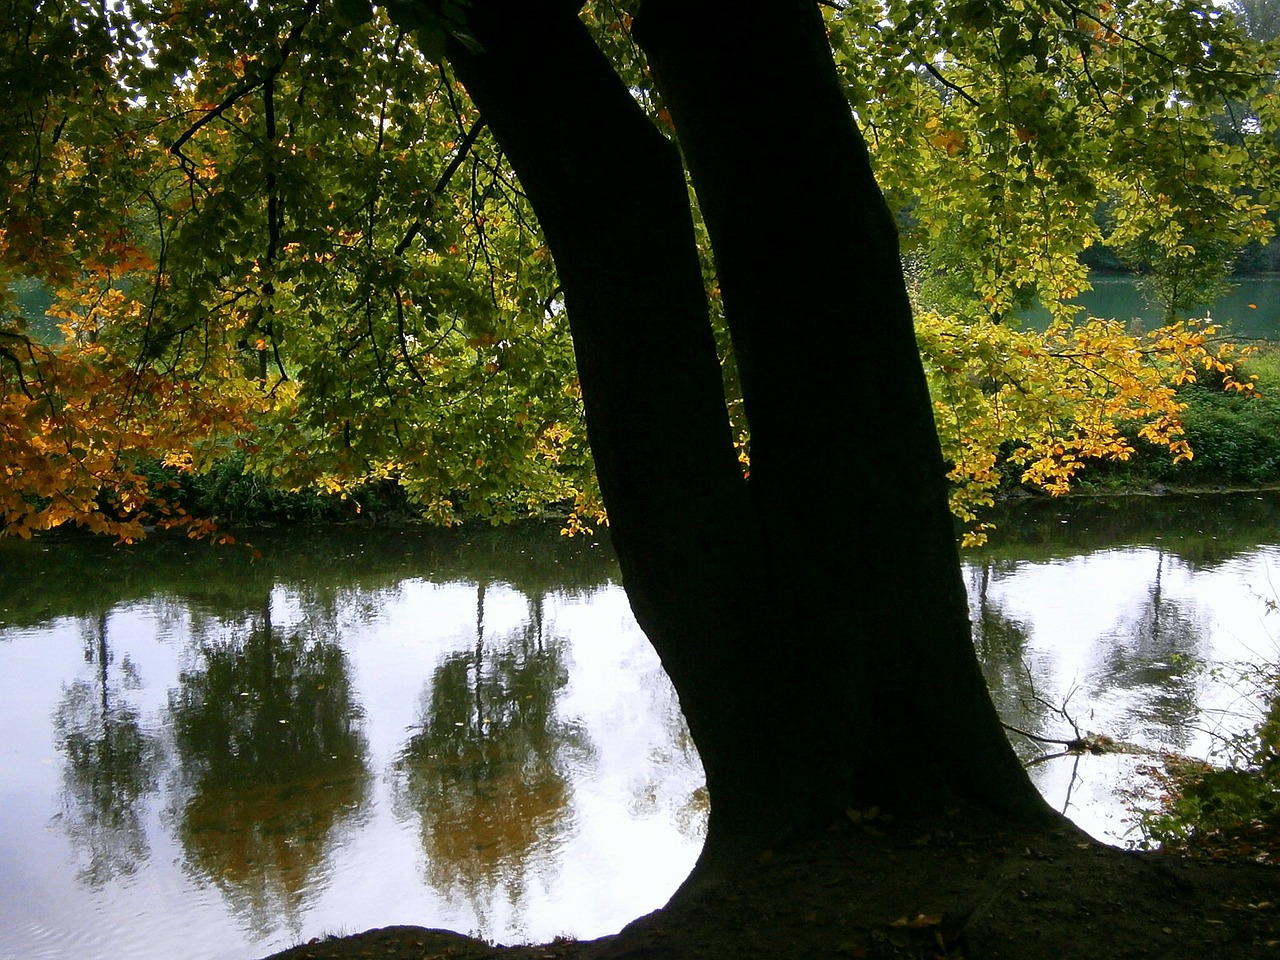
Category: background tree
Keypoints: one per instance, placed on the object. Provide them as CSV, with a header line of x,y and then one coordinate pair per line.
x,y
289,233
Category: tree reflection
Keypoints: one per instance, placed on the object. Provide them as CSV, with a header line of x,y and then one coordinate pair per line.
x,y
487,772
273,765
1001,644
111,764
1154,656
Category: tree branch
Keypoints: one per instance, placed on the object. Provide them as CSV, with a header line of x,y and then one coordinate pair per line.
x,y
460,154
937,75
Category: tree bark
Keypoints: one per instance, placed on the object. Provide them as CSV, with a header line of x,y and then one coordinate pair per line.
x,y
847,474
814,624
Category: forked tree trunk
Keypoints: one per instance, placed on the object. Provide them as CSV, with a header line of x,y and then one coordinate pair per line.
x,y
813,624
847,474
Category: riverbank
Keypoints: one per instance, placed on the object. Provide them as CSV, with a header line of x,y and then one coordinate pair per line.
x,y
958,889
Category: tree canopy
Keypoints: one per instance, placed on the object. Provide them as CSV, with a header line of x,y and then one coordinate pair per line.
x,y
284,229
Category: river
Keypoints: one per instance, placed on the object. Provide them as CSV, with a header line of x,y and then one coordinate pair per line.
x,y
216,756
1248,310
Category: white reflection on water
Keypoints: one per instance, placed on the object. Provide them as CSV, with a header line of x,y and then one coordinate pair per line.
x,y
1128,640
626,838
588,745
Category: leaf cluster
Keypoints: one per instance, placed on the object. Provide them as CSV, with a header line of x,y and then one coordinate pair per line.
x,y
292,207
1040,406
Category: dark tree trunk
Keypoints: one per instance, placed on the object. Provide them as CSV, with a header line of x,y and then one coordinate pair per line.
x,y
610,195
814,623
846,472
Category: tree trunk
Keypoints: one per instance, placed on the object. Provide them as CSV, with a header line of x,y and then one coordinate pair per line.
x,y
611,198
846,471
814,623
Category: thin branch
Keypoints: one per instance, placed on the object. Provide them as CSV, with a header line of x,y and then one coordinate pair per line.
x,y
1151,49
275,353
551,298
228,102
404,340
17,366
937,75
1039,739
460,154
464,147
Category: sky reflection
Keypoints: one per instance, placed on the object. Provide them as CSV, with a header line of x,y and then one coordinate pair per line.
x,y
216,758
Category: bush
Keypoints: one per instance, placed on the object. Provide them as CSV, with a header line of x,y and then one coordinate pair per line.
x,y
1231,811
233,496
1235,438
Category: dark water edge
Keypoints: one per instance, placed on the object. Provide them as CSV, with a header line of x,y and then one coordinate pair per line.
x,y
1200,527
72,573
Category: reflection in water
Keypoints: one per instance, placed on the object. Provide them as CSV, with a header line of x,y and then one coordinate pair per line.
x,y
111,764
1152,661
272,765
1147,660
1114,642
227,807
1000,641
487,774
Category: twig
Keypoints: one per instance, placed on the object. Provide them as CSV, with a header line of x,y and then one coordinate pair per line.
x,y
460,154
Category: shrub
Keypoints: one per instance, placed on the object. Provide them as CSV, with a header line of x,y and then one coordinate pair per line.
x,y
1235,438
233,496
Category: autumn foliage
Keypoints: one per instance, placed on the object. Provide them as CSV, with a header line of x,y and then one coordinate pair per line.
x,y
283,230
1037,407
78,423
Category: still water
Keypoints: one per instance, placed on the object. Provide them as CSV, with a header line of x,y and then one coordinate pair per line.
x,y
1249,309
217,756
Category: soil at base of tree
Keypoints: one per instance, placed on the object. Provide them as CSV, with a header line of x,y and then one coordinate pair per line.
x,y
956,888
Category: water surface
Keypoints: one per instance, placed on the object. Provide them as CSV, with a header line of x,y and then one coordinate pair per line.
x,y
218,756
1249,308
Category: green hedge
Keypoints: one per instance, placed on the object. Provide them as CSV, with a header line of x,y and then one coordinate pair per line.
x,y
1235,439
